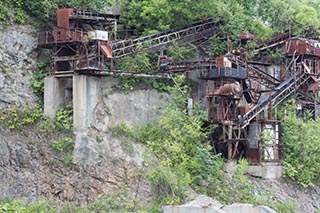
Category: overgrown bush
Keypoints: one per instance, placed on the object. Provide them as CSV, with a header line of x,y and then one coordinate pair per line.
x,y
140,63
120,201
63,144
170,186
63,119
301,149
37,80
42,11
9,205
19,118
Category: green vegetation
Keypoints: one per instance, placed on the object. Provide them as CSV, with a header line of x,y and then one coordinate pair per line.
x,y
139,63
301,147
184,159
63,119
120,202
127,84
19,118
37,80
16,206
263,18
16,10
126,136
62,145
183,155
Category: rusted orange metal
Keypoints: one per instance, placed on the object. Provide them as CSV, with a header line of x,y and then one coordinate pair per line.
x,y
63,18
302,47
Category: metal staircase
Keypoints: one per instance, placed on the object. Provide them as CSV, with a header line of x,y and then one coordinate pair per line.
x,y
282,92
156,42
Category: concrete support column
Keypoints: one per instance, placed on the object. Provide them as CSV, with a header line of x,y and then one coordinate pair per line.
x,y
54,90
85,98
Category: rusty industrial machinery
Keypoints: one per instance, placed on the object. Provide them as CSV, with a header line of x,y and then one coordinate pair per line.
x,y
241,94
89,43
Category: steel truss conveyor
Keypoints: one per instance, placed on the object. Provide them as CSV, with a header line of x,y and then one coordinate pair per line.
x,y
159,41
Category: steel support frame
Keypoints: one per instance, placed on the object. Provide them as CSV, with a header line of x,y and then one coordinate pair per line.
x,y
233,135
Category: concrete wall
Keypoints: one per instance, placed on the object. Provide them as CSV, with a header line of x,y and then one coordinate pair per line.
x,y
85,98
268,170
190,209
55,94
247,208
99,106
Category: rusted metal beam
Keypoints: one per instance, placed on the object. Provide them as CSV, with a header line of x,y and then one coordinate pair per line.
x,y
124,73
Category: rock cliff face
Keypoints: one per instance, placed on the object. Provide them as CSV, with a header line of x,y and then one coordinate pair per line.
x,y
31,171
18,59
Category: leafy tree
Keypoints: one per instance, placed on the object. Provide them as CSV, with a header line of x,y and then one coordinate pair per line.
x,y
305,16
260,30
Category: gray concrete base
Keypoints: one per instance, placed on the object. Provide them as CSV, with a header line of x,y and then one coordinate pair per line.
x,y
203,204
247,208
56,93
268,170
85,98
190,209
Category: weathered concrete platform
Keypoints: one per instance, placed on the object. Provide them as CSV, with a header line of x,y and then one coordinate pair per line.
x,y
203,204
269,170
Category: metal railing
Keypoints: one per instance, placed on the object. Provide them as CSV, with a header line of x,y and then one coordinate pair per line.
x,y
61,35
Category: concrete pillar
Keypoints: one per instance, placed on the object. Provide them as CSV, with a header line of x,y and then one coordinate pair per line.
x,y
54,90
85,98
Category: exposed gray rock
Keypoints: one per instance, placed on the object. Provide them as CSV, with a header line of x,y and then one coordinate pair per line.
x,y
31,171
307,200
204,204
18,60
85,150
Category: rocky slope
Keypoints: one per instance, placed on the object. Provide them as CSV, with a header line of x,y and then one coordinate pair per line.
x,y
18,60
30,171
307,200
